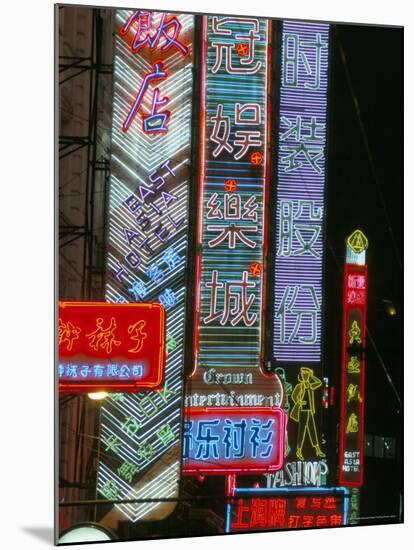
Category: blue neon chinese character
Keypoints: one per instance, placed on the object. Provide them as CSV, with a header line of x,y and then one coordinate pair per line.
x,y
206,440
155,274
138,289
112,370
98,371
124,371
188,443
260,439
137,371
84,371
167,298
171,257
234,438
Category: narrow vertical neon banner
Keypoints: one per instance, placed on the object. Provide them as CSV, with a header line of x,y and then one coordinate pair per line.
x,y
147,249
353,361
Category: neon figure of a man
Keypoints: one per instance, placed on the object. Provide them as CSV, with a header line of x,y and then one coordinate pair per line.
x,y
303,410
156,121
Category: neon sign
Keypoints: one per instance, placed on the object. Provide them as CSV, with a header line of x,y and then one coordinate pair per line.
x,y
300,202
225,440
110,346
259,509
147,248
353,361
232,240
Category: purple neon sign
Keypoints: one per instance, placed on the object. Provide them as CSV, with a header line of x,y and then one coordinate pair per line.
x,y
300,192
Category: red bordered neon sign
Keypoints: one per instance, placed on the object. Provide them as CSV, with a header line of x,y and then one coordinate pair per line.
x,y
224,440
116,347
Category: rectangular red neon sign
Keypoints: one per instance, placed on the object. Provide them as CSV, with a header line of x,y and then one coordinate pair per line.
x,y
353,376
105,346
224,440
259,509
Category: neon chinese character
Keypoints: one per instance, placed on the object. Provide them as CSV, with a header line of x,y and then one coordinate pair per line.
x,y
258,512
171,343
68,333
127,470
239,523
138,290
277,512
155,274
224,49
301,304
207,440
298,228
352,425
145,451
171,257
231,233
143,27
168,298
353,393
165,434
110,489
261,437
130,425
155,122
354,365
234,438
103,338
354,333
136,332
112,443
236,292
302,60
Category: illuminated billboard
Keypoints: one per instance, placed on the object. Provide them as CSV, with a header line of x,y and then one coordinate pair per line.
x,y
300,203
110,346
147,245
353,361
264,509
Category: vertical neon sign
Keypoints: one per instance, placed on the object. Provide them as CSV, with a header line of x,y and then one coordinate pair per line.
x,y
353,361
231,234
300,193
148,231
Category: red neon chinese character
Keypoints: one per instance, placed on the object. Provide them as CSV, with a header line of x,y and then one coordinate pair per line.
x,y
300,503
308,521
138,335
316,502
277,512
335,519
140,22
293,521
258,512
329,503
321,521
156,121
240,510
103,338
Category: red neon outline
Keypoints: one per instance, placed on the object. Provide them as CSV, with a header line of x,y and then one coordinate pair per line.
x,y
157,379
363,269
190,412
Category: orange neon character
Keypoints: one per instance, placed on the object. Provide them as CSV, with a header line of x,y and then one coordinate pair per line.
x,y
68,333
103,338
138,335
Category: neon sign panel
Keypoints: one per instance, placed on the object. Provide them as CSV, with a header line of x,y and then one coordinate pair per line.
x,y
110,346
259,509
232,439
300,203
147,247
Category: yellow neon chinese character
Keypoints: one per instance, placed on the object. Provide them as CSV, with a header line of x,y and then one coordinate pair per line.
x,y
354,333
137,334
353,393
103,338
352,425
353,365
68,333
